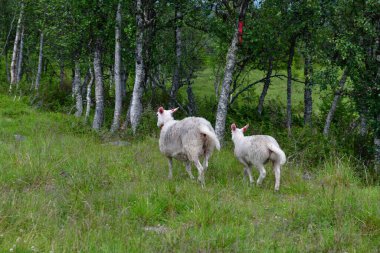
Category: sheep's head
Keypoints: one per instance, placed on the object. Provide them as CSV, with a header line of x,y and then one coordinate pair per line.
x,y
238,131
164,116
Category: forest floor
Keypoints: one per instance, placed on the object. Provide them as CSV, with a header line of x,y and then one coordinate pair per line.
x,y
64,188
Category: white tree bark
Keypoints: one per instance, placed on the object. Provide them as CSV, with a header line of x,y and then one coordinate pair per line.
x,y
228,74
99,91
19,59
176,83
117,68
16,50
77,91
136,104
39,69
88,94
334,104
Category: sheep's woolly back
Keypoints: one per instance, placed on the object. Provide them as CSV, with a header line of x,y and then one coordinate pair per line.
x,y
257,149
187,139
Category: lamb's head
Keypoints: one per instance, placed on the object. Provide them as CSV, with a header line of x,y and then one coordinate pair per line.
x,y
238,132
164,116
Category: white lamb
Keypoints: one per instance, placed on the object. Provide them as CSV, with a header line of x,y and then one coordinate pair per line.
x,y
186,140
256,150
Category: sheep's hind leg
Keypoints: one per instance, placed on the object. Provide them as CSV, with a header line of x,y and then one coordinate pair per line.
x,y
170,176
188,169
277,174
248,171
205,161
201,173
263,173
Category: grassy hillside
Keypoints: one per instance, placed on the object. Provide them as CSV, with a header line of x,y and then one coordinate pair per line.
x,y
63,189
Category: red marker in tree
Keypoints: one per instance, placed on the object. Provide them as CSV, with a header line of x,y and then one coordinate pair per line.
x,y
240,32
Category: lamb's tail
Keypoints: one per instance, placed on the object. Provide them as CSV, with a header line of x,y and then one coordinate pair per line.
x,y
278,151
205,130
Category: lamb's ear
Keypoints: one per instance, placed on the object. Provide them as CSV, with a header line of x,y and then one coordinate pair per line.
x,y
174,110
161,110
245,128
233,127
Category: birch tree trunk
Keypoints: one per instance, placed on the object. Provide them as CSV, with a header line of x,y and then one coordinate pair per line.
x,y
99,91
16,50
118,91
308,99
19,59
39,69
334,104
77,91
221,114
136,104
178,52
88,94
289,86
266,86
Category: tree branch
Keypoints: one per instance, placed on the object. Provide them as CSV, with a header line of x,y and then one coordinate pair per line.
x,y
9,33
259,81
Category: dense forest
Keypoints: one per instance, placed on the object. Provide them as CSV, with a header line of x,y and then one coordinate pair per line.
x,y
110,61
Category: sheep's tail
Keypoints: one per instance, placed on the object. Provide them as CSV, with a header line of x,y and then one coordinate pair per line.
x,y
205,130
278,151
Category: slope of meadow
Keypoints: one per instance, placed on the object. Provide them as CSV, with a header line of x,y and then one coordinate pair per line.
x,y
64,190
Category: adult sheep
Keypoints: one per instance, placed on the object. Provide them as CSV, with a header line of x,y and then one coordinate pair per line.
x,y
186,140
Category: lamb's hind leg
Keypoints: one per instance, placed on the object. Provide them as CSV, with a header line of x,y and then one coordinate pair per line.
x,y
188,169
263,173
201,172
277,174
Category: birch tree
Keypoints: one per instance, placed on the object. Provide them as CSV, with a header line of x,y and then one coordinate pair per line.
x,y
77,90
15,52
20,58
221,113
334,104
88,94
178,52
40,56
99,89
136,103
117,72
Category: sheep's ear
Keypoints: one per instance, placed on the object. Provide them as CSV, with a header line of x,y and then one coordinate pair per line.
x,y
161,110
245,128
233,127
175,109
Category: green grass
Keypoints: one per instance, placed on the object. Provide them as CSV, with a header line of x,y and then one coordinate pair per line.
x,y
63,190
